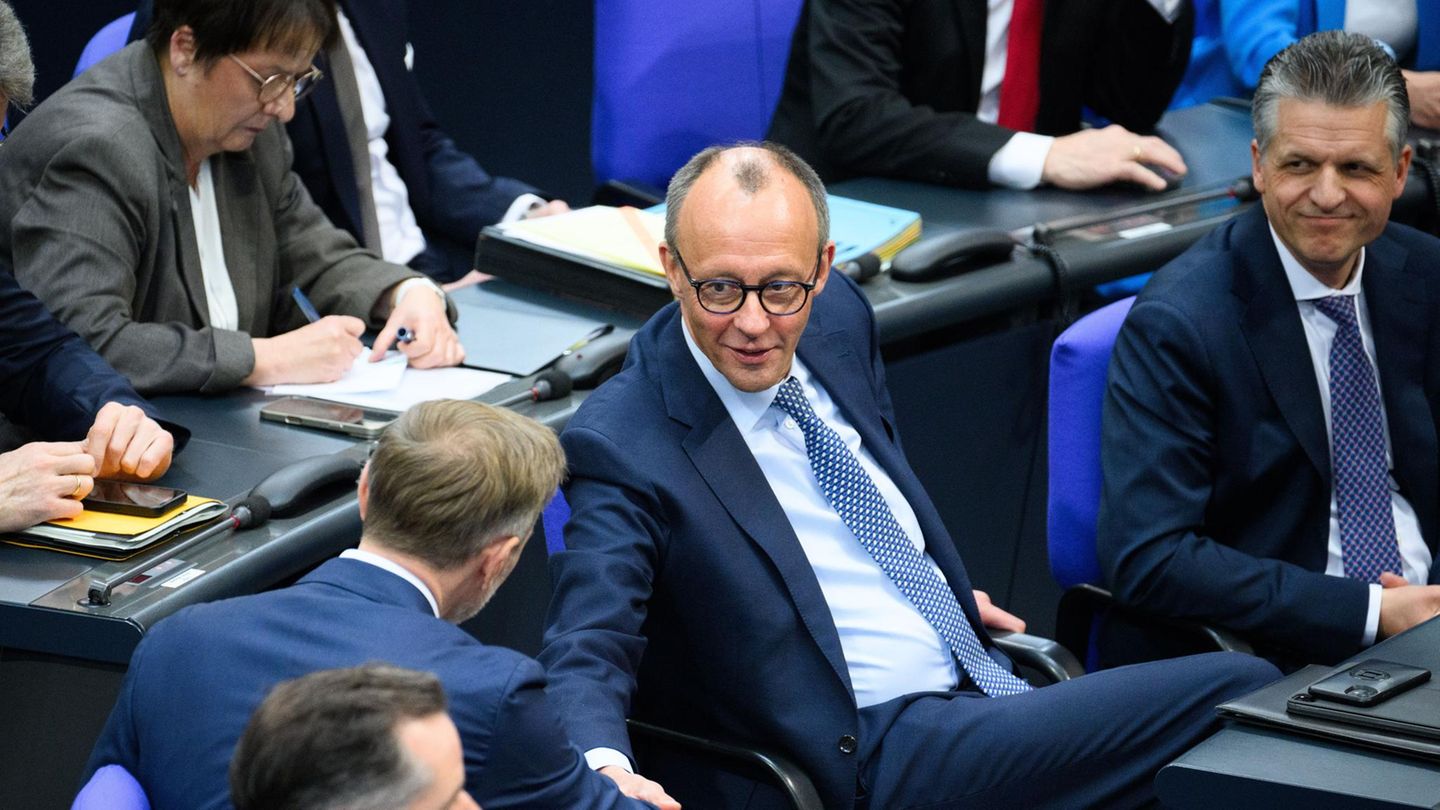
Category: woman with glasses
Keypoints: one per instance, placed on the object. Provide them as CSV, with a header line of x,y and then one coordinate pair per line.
x,y
151,205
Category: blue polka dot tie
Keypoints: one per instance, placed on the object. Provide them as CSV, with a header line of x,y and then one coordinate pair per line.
x,y
1362,477
854,496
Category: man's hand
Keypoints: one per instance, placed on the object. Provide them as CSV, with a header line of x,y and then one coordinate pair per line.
x,y
1097,157
435,343
319,352
42,481
1424,90
995,618
548,209
1402,605
125,443
638,787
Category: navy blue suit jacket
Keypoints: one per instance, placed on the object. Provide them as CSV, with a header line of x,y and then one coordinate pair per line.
x,y
451,195
1215,451
51,381
196,678
684,596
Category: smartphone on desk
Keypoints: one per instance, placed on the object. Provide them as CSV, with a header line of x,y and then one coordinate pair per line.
x,y
318,413
123,497
1369,682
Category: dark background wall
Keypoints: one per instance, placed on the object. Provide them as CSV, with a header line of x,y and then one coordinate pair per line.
x,y
510,82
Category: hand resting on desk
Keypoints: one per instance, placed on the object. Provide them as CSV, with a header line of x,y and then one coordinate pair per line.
x,y
1402,605
42,481
1097,157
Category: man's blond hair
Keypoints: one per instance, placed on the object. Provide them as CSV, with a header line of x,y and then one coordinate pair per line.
x,y
450,477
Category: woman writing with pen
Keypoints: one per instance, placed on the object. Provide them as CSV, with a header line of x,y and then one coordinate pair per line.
x,y
151,206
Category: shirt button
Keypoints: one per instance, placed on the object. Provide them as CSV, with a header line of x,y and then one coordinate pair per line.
x,y
789,424
848,744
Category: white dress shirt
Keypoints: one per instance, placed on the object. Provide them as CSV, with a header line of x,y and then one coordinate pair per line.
x,y
400,236
1021,161
395,568
219,291
890,649
1320,335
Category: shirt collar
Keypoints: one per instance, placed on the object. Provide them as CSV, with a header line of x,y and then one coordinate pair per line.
x,y
746,408
1305,286
395,568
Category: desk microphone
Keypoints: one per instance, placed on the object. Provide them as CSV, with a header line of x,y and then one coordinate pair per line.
x,y
252,510
861,268
548,385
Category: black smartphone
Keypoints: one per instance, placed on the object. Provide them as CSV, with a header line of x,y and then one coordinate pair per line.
x,y
318,413
145,500
1369,682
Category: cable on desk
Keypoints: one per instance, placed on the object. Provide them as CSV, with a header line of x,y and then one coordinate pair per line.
x,y
1069,309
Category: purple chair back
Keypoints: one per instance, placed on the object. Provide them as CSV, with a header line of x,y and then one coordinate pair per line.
x,y
111,788
1078,365
552,522
106,41
672,78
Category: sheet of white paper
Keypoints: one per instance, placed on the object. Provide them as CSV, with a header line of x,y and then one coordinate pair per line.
x,y
363,376
423,385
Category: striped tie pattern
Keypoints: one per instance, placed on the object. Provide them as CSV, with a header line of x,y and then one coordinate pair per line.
x,y
854,496
1362,478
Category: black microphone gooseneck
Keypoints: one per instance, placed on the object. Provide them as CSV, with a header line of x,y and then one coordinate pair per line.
x,y
551,384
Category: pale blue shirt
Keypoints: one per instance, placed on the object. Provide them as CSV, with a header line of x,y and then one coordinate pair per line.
x,y
890,649
1320,336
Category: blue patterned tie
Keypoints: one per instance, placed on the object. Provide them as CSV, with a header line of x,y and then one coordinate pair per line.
x,y
1362,478
857,500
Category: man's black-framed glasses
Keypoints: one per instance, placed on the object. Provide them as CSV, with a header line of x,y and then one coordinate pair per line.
x,y
273,87
723,296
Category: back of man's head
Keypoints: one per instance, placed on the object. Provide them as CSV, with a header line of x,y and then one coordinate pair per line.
x,y
450,477
1338,69
331,740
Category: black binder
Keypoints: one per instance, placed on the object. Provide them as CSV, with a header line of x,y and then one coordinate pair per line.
x,y
568,275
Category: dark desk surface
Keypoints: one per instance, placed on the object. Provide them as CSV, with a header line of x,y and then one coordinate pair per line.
x,y
1247,766
42,593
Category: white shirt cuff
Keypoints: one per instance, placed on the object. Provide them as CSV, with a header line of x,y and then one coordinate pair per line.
x,y
598,758
1021,161
1372,616
522,206
1169,9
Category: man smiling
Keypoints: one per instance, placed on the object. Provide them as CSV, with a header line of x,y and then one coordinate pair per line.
x,y
1270,449
744,516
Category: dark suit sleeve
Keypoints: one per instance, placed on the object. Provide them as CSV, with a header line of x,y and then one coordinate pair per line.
x,y
603,580
863,123
1133,70
532,762
1159,469
465,198
50,380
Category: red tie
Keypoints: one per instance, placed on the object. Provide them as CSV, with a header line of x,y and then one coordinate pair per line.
x,y
1020,88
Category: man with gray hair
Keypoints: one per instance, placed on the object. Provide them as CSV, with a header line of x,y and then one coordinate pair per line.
x,y
448,500
371,737
1270,454
751,558
17,72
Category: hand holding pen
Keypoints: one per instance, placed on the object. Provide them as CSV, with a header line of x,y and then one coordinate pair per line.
x,y
419,327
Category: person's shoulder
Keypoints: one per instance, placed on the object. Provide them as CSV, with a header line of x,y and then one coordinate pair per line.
x,y
1203,275
1423,247
634,393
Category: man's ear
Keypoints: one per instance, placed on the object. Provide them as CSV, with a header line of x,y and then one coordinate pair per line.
x,y
673,273
362,489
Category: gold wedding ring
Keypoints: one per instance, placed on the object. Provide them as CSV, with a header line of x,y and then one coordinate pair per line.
x,y
76,490
1136,153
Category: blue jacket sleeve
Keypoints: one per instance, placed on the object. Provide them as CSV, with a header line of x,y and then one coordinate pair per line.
x,y
50,380
1254,31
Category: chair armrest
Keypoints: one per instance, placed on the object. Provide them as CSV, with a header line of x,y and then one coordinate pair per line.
x,y
1049,658
786,774
1080,603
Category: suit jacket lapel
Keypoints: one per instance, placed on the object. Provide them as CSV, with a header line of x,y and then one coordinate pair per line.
x,y
1397,302
236,192
154,104
720,455
1271,325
